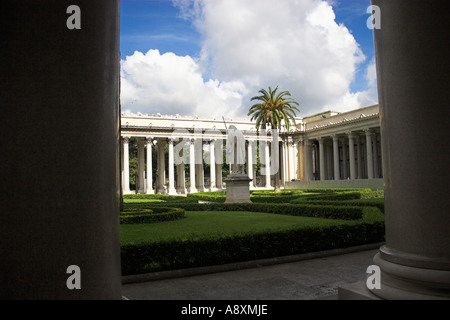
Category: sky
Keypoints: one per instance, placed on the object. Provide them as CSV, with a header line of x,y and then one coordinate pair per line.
x,y
209,57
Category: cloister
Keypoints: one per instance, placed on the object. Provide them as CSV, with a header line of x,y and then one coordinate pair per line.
x,y
326,146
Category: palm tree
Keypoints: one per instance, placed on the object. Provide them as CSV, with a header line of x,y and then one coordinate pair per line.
x,y
272,109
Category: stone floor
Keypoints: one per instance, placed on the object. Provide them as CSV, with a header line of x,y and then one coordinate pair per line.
x,y
312,279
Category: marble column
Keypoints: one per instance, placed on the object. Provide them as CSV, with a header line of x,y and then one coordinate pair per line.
x,y
336,157
267,158
358,156
140,184
376,172
413,86
60,151
344,159
212,165
351,152
308,160
250,162
192,187
369,154
321,159
181,176
171,189
126,165
149,188
161,167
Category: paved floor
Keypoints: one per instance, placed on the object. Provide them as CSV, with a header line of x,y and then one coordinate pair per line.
x,y
311,279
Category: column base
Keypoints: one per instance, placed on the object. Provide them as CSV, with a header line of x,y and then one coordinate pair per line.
x,y
127,192
192,190
150,191
172,191
402,282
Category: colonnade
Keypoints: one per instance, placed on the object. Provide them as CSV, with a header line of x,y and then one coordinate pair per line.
x,y
350,155
193,155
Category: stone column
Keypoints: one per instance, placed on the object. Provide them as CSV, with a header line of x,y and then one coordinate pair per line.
x,y
161,167
171,189
344,159
413,86
212,166
199,165
308,160
60,151
250,162
267,157
369,154
351,151
376,172
126,166
321,159
192,187
140,185
336,157
358,156
149,187
181,177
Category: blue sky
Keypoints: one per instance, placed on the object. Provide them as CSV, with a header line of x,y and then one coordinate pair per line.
x,y
151,24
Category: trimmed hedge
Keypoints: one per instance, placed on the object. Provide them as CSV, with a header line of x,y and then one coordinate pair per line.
x,y
170,255
164,197
306,210
143,215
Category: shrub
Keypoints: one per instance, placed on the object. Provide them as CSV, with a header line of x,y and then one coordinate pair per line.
x,y
159,214
169,255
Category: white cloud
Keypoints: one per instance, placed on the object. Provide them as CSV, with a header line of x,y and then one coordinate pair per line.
x,y
169,84
248,45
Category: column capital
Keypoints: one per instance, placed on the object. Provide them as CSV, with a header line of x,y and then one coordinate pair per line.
x,y
335,136
368,131
149,140
350,134
126,139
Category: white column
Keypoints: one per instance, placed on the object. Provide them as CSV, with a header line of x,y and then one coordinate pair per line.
x,y
351,151
369,157
321,159
192,187
250,162
267,157
358,155
149,187
181,187
344,159
141,161
199,165
336,157
212,166
126,166
308,160
171,169
161,167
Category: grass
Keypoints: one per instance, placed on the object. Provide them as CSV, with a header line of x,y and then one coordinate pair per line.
x,y
217,224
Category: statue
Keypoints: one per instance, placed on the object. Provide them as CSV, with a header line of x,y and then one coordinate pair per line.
x,y
237,181
235,150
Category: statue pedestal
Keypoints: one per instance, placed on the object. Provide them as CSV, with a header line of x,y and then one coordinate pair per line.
x,y
238,189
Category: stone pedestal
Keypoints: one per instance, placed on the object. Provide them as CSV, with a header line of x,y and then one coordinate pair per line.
x,y
238,189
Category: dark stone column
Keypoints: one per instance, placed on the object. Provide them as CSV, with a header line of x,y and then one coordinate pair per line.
x,y
413,85
59,155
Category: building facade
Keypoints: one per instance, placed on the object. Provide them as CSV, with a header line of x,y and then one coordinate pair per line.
x,y
321,150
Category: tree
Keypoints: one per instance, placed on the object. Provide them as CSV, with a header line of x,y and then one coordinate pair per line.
x,y
273,109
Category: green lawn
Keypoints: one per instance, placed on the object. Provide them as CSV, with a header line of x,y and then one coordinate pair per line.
x,y
217,223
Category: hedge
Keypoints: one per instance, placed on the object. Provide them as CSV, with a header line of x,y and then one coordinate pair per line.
x,y
158,214
307,210
169,255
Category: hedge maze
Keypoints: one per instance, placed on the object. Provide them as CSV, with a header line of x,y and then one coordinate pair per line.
x,y
356,215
